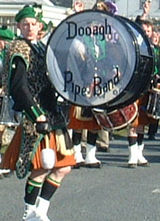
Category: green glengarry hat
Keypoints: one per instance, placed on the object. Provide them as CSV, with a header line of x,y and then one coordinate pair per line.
x,y
45,25
29,12
6,33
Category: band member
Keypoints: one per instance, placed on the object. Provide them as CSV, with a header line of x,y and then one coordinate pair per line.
x,y
102,142
136,136
78,6
6,35
44,34
136,132
82,118
155,39
103,135
43,127
106,5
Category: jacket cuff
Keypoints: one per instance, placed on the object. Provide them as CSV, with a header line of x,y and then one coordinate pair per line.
x,y
34,112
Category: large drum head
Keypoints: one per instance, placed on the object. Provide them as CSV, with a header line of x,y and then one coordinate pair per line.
x,y
91,58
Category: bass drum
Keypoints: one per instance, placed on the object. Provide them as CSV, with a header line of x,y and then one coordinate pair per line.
x,y
144,71
94,58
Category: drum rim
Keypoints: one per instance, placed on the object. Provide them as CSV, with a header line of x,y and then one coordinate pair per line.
x,y
142,32
111,103
126,124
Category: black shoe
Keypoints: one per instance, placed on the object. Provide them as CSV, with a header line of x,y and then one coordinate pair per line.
x,y
78,165
151,137
132,165
111,137
93,165
103,149
143,164
1,176
8,174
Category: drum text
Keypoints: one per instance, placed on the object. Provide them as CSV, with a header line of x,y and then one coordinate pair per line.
x,y
96,89
102,30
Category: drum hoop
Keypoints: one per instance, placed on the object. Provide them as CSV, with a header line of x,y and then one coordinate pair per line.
x,y
129,121
134,24
121,126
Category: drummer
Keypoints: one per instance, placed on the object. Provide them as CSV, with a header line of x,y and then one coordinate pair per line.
x,y
39,132
78,123
6,35
136,131
82,118
155,39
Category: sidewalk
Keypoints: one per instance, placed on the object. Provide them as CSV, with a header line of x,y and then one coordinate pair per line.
x,y
112,193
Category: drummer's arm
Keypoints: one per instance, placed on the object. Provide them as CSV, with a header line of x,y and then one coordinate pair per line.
x,y
145,14
146,10
20,92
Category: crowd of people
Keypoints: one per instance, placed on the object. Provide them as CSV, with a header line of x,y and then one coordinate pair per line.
x,y
42,147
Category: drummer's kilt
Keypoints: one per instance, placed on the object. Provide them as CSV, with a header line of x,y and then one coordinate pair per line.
x,y
142,116
89,123
12,153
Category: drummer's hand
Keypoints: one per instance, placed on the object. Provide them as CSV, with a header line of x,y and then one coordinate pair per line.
x,y
1,91
42,125
146,9
78,6
41,118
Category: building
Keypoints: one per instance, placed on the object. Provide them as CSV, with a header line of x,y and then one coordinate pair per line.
x,y
132,8
9,8
55,10
127,8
